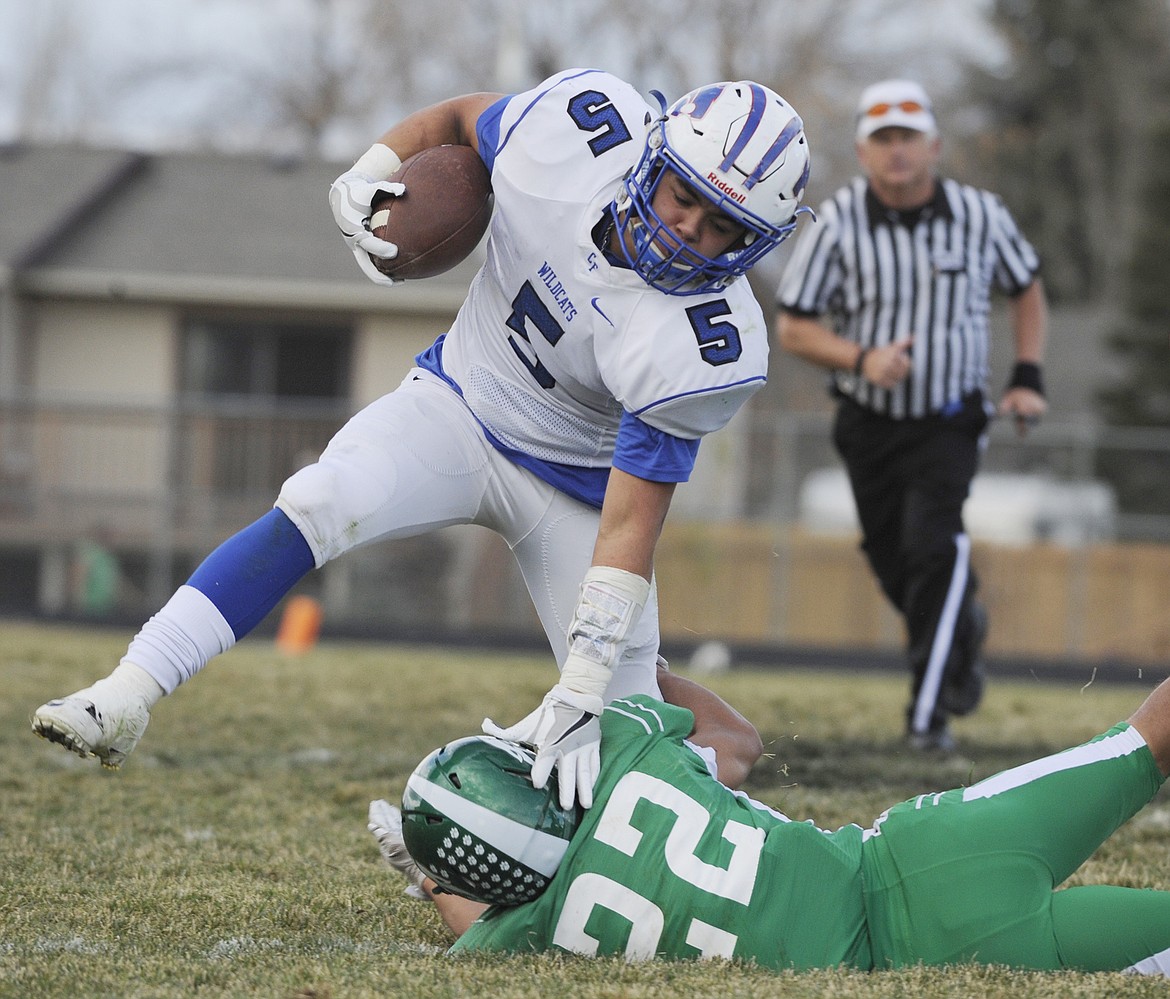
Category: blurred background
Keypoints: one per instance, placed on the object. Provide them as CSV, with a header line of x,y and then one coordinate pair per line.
x,y
181,328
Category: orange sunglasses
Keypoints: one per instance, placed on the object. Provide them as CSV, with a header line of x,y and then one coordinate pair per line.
x,y
910,107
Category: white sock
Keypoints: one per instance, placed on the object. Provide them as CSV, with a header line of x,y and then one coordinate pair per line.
x,y
135,680
180,639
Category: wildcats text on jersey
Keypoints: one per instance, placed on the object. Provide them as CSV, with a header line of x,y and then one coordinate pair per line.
x,y
559,292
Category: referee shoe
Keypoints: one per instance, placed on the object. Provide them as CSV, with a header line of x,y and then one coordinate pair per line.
x,y
937,740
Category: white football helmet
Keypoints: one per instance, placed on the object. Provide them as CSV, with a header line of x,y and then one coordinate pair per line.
x,y
739,144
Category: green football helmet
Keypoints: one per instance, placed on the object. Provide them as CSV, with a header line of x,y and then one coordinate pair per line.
x,y
474,823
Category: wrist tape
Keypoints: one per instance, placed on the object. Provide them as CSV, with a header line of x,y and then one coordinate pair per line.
x,y
610,604
379,162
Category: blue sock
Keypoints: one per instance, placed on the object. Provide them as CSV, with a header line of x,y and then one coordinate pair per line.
x,y
248,574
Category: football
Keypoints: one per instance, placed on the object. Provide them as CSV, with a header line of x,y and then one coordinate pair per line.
x,y
440,218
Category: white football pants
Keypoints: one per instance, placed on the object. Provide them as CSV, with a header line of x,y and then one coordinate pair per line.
x,y
417,460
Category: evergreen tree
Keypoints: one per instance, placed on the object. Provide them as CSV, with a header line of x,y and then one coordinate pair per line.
x,y
1139,396
1068,123
1081,141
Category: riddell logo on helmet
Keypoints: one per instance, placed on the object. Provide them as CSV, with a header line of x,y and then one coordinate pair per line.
x,y
726,188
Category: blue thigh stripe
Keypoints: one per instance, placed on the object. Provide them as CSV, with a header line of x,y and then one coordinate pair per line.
x,y
248,574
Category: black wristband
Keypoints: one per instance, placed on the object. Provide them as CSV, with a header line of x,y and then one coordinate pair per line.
x,y
860,362
1026,374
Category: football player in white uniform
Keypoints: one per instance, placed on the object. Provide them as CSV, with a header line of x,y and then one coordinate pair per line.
x,y
609,330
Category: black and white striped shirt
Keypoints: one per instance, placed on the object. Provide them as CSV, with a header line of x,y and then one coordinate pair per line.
x,y
877,275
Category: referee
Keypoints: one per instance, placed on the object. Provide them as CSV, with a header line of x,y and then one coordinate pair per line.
x,y
891,292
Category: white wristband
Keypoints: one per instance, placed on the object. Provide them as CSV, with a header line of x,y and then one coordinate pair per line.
x,y
610,604
379,162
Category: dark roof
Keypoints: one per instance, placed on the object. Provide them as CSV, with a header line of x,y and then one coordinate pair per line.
x,y
39,186
251,230
176,220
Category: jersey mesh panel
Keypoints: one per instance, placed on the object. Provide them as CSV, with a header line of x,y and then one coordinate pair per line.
x,y
503,408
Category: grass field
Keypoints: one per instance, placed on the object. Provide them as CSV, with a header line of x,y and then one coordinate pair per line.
x,y
229,857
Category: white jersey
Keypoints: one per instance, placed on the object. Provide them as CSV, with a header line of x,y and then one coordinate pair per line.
x,y
554,342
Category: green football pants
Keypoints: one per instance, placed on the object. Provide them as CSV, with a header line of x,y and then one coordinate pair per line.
x,y
971,875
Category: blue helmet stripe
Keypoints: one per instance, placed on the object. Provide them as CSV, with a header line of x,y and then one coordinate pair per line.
x,y
790,132
803,182
755,115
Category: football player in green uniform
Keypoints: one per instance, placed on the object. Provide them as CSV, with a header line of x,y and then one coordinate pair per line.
x,y
671,863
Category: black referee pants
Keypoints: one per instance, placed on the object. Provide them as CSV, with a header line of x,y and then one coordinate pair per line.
x,y
910,479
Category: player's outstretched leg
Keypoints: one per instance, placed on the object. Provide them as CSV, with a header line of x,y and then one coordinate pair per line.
x,y
105,720
228,594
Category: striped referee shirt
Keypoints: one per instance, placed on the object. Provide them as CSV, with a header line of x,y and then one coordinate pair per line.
x,y
877,275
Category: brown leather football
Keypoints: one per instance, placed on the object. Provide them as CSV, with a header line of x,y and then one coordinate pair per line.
x,y
440,218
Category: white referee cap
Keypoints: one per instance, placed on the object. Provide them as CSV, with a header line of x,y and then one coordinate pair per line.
x,y
901,103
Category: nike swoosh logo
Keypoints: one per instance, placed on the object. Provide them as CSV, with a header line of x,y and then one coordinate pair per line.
x,y
597,309
579,724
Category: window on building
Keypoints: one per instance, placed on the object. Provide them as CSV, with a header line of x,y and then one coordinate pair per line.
x,y
260,400
282,360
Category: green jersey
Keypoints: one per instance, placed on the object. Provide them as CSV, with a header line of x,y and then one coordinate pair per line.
x,y
670,863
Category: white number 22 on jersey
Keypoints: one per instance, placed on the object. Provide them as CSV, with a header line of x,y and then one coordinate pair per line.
x,y
589,891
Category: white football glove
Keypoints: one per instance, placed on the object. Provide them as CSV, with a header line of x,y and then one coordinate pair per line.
x,y
565,733
350,198
385,822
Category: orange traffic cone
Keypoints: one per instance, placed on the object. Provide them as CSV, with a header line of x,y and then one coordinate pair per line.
x,y
299,625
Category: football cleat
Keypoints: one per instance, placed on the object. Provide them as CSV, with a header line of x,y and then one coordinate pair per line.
x,y
104,720
385,822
